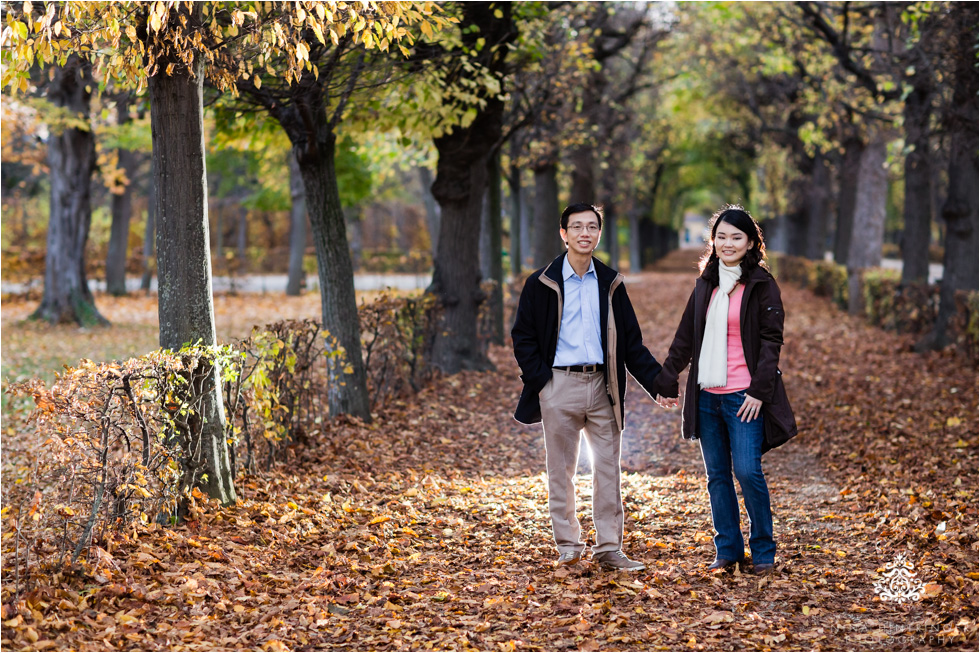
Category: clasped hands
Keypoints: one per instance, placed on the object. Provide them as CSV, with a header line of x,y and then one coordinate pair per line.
x,y
750,409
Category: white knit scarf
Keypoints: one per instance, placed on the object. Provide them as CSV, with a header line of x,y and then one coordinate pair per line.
x,y
713,362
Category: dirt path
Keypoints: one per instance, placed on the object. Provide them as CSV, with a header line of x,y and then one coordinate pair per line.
x,y
428,530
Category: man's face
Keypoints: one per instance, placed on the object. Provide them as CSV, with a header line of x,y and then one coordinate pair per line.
x,y
582,234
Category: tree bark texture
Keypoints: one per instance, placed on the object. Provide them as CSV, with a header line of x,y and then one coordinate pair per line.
x,y
348,381
527,225
485,254
121,207
848,190
495,236
547,216
634,242
461,181
817,208
610,233
149,234
795,221
960,212
186,306
516,221
916,232
583,172
71,161
296,280
868,231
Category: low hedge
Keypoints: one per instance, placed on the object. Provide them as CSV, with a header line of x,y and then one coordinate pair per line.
x,y
888,304
118,445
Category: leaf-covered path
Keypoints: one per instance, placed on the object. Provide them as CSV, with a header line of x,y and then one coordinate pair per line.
x,y
429,529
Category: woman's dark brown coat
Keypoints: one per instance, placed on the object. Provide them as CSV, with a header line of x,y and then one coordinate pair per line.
x,y
762,337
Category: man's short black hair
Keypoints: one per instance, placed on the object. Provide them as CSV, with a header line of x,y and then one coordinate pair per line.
x,y
580,207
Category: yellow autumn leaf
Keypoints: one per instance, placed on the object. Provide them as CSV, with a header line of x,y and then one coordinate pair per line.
x,y
302,52
953,421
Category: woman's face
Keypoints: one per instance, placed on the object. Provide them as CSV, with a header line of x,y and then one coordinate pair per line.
x,y
731,243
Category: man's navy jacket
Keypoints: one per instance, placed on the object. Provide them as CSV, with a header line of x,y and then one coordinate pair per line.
x,y
535,336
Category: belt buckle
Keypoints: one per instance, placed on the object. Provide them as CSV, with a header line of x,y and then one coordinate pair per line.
x,y
590,368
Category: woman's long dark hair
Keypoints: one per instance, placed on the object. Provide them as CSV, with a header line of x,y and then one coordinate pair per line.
x,y
739,218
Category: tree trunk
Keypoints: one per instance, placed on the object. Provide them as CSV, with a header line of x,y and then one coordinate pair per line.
x,y
634,246
583,175
485,255
647,237
868,232
547,215
348,380
527,226
610,231
149,234
186,307
796,221
495,224
297,229
122,210
456,275
516,220
916,232
817,208
461,181
960,212
848,181
431,208
354,222
71,160
242,238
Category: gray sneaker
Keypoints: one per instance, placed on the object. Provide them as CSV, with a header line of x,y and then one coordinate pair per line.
x,y
568,558
617,560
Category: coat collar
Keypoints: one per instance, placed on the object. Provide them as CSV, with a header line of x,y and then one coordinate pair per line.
x,y
758,275
605,274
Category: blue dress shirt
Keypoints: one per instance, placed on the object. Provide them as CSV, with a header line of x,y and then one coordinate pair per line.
x,y
579,337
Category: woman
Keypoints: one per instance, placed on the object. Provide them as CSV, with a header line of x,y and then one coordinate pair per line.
x,y
735,402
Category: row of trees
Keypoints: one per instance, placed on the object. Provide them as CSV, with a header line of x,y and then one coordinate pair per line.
x,y
792,109
842,92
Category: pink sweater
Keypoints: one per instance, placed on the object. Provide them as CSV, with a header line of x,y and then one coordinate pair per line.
x,y
739,377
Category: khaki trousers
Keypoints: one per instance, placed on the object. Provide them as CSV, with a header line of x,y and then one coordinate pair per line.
x,y
572,403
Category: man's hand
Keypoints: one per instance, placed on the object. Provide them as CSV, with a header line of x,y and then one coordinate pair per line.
x,y
666,402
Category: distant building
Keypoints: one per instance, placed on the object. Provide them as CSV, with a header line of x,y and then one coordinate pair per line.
x,y
695,230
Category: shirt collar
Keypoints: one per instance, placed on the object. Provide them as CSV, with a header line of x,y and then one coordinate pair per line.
x,y
567,270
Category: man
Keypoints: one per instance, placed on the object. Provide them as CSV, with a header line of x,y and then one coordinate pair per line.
x,y
575,335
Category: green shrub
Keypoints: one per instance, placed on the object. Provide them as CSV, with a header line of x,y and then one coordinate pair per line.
x,y
909,308
879,287
830,280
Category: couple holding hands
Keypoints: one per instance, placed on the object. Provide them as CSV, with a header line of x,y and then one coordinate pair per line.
x,y
576,335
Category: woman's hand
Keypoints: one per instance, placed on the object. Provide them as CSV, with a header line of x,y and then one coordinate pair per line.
x,y
666,402
750,409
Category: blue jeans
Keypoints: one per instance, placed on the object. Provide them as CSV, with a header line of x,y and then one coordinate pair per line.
x,y
727,443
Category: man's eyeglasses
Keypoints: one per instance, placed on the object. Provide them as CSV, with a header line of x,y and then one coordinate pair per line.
x,y
578,228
